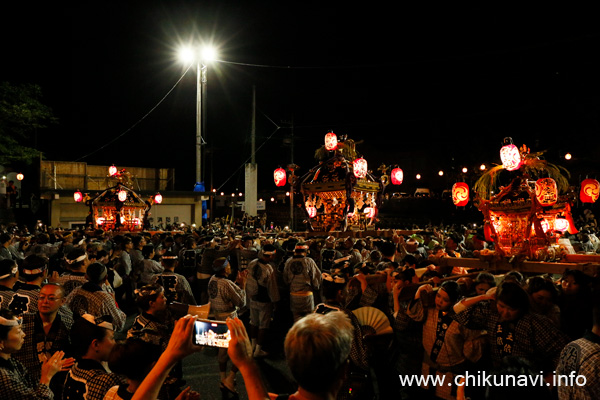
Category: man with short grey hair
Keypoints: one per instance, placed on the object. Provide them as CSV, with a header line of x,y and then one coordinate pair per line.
x,y
317,349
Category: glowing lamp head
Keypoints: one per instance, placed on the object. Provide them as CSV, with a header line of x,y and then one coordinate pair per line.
x,y
20,176
460,194
331,142
158,198
360,167
590,189
510,155
112,170
78,197
311,211
279,176
122,195
546,191
397,176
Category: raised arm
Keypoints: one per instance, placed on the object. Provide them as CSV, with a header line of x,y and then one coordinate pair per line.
x,y
240,353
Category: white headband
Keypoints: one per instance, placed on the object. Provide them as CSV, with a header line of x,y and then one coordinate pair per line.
x,y
98,322
147,292
33,271
78,259
13,272
11,322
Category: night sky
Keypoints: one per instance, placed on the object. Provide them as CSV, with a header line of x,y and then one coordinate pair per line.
x,y
423,87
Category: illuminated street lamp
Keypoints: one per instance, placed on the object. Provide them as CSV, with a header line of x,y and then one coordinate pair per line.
x,y
200,58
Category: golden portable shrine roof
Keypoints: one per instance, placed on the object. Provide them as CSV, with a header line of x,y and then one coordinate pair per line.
x,y
361,185
109,197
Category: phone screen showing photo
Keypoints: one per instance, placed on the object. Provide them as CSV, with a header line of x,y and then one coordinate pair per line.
x,y
211,333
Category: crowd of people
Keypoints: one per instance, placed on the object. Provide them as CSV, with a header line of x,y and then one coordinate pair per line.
x,y
66,296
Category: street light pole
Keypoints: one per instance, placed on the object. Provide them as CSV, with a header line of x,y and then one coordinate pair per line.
x,y
200,82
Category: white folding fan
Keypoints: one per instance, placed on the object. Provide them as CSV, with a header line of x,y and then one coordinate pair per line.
x,y
373,321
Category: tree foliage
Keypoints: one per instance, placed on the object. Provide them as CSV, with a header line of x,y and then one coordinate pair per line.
x,y
22,114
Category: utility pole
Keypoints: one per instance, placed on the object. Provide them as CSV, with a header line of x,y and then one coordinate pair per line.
x,y
251,175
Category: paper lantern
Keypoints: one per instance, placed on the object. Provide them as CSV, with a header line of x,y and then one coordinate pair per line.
x,y
122,195
590,188
460,194
397,176
545,225
546,192
312,211
510,156
100,220
561,224
112,170
20,176
158,198
279,177
360,167
77,196
369,212
331,142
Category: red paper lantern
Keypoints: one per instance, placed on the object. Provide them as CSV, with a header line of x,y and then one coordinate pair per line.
x,y
369,212
279,176
460,194
397,176
77,196
510,156
360,167
331,142
590,189
158,198
312,211
122,195
112,170
561,224
546,192
20,176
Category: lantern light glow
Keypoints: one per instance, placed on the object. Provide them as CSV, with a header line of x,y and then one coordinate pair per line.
x,y
77,196
280,177
112,170
122,195
369,212
397,176
360,167
460,194
546,191
561,224
331,142
590,189
510,156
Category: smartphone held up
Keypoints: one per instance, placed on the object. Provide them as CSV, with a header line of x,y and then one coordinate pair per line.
x,y
211,333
